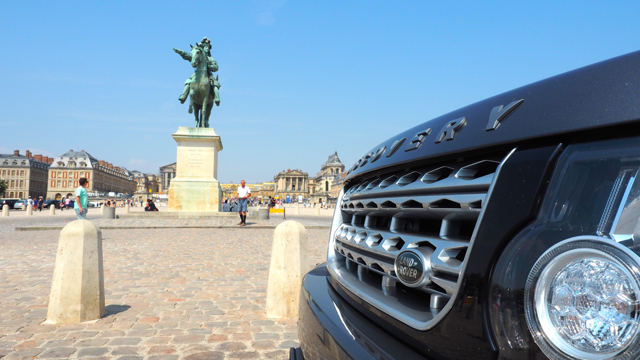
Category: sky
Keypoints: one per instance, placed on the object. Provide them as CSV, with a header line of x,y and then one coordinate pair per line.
x,y
300,79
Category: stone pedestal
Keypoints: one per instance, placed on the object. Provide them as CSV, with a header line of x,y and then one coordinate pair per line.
x,y
109,212
77,291
195,187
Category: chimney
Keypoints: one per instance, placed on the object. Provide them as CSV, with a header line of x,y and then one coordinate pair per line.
x,y
50,161
45,159
38,157
16,152
28,154
71,150
101,162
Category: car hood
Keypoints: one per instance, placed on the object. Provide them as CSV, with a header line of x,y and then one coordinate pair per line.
x,y
595,96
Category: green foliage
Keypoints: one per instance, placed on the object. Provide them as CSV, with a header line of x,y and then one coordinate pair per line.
x,y
3,186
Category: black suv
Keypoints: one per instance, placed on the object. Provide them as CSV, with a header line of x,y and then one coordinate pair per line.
x,y
508,229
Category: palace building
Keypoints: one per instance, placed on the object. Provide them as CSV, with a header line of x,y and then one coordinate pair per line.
x,y
146,184
25,175
292,184
68,168
329,181
167,173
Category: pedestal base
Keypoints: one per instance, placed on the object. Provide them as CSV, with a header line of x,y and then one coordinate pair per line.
x,y
195,187
195,195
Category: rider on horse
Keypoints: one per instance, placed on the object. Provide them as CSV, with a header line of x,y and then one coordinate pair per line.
x,y
212,66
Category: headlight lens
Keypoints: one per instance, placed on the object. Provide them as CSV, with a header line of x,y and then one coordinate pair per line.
x,y
582,299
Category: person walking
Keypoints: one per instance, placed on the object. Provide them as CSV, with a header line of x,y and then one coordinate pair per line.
x,y
82,199
40,203
67,202
243,193
30,202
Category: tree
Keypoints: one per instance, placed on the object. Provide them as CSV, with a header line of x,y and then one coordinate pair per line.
x,y
3,186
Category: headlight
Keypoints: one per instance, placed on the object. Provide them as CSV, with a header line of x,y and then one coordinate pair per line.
x,y
570,279
581,299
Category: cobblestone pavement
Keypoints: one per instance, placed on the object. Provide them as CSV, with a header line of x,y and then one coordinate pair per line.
x,y
170,294
19,218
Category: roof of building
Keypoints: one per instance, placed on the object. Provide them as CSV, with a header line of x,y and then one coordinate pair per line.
x,y
75,159
333,160
82,159
21,160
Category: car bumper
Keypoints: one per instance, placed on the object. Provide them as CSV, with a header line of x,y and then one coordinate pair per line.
x,y
329,328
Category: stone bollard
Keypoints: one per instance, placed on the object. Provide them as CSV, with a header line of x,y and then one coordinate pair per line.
x,y
263,214
5,210
288,266
52,209
318,211
102,209
109,212
77,291
29,210
126,209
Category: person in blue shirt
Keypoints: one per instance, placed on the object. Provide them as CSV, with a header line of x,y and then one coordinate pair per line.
x,y
82,199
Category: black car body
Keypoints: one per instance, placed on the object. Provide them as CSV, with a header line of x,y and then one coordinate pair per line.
x,y
56,204
449,240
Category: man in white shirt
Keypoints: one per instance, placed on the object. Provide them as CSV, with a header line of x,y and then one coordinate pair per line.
x,y
243,193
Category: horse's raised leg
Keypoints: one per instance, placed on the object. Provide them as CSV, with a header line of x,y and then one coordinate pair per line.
x,y
197,116
191,93
206,119
205,113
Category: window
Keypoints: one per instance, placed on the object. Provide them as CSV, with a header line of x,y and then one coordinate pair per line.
x,y
326,186
21,184
13,183
88,175
70,174
4,172
59,175
13,173
81,173
59,183
20,194
11,194
21,172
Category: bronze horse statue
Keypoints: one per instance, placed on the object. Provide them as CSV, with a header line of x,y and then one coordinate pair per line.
x,y
202,87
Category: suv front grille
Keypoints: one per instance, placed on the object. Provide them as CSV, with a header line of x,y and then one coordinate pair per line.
x,y
435,207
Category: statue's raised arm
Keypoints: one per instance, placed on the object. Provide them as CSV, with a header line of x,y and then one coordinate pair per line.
x,y
185,55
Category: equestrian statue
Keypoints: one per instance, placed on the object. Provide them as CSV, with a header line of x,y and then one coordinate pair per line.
x,y
202,88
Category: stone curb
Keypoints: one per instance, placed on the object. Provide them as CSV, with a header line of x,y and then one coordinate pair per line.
x,y
124,227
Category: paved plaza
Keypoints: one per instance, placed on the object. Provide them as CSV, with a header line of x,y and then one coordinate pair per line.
x,y
171,293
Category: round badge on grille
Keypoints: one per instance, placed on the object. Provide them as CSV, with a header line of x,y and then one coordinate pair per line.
x,y
410,268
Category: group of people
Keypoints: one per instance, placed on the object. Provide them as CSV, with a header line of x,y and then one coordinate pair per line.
x,y
113,202
36,203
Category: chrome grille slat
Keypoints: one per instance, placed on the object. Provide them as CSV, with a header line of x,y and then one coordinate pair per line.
x,y
436,207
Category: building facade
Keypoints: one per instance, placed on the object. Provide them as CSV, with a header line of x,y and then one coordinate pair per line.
x,y
261,190
25,175
328,182
167,173
146,184
292,184
68,168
